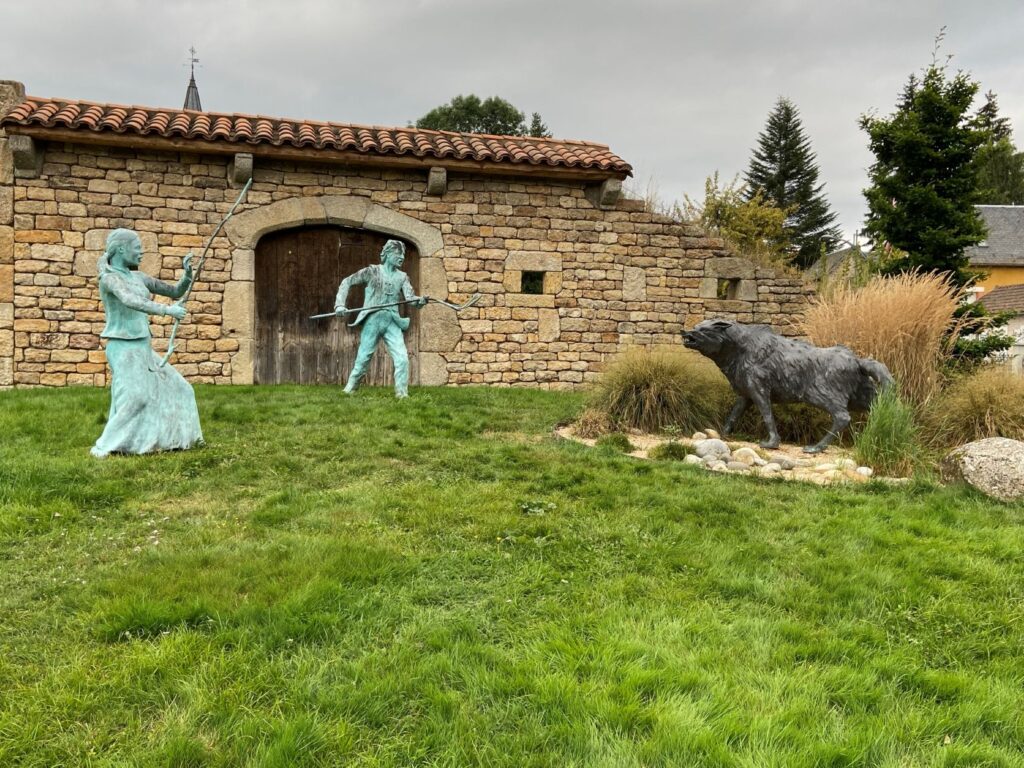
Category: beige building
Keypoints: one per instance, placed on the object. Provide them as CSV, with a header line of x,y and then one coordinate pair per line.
x,y
569,271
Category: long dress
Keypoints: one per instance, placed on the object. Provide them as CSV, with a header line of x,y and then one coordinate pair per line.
x,y
152,408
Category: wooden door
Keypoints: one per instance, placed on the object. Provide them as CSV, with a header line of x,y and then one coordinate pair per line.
x,y
298,272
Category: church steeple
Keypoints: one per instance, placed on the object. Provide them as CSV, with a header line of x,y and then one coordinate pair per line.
x,y
192,94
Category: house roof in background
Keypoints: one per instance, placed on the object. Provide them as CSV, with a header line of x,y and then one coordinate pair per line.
x,y
1005,298
1004,245
100,123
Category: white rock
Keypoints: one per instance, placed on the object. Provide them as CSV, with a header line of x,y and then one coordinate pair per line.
x,y
692,459
771,468
719,466
866,471
711,447
995,466
738,466
713,434
846,464
825,467
699,436
747,455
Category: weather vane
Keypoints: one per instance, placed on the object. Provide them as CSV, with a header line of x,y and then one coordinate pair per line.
x,y
192,59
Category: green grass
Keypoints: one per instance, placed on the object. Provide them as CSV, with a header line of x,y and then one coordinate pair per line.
x,y
439,582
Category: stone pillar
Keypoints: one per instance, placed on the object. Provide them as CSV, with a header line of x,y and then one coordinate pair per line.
x,y
11,93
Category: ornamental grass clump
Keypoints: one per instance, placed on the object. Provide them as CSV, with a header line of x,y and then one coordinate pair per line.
x,y
986,403
890,440
653,388
908,322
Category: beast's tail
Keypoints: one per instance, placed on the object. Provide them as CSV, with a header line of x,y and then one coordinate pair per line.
x,y
878,372
874,379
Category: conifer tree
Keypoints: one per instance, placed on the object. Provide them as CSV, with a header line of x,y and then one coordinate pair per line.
x,y
783,170
1000,166
924,181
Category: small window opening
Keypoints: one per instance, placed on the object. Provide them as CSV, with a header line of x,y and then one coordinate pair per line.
x,y
533,282
727,288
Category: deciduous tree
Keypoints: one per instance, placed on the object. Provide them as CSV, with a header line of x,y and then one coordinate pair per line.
x,y
470,114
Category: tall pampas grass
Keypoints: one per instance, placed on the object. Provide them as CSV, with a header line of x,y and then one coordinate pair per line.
x,y
908,322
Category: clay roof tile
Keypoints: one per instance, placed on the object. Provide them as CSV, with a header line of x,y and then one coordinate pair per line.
x,y
253,129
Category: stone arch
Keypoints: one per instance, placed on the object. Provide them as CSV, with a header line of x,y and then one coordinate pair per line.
x,y
440,331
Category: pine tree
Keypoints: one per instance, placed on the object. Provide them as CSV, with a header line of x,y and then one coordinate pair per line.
x,y
784,171
1000,166
924,181
537,127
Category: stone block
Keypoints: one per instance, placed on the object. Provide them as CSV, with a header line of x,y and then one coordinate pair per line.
x,y
26,155
634,284
512,281
533,261
6,245
238,317
433,369
530,300
346,210
240,169
439,329
552,282
437,181
243,264
433,279
6,372
96,240
425,237
241,363
549,325
6,205
747,290
6,163
6,283
729,267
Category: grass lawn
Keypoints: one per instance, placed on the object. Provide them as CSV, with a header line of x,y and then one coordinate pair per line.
x,y
439,582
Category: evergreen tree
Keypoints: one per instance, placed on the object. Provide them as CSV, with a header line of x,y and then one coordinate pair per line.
x,y
1000,166
784,171
924,181
470,114
538,128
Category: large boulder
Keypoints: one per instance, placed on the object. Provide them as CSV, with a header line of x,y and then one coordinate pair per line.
x,y
995,466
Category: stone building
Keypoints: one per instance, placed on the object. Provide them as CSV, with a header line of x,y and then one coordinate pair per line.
x,y
570,272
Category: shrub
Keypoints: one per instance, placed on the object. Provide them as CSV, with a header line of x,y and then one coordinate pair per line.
x,y
593,423
652,388
890,440
671,450
616,441
907,321
986,403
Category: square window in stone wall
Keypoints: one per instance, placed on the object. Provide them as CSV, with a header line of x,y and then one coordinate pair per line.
x,y
533,282
728,288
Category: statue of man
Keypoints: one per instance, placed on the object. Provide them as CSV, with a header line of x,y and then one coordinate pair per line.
x,y
152,407
385,283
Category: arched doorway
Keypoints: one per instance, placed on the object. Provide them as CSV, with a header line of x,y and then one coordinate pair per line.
x,y
297,274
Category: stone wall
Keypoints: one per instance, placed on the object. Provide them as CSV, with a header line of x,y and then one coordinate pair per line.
x,y
607,278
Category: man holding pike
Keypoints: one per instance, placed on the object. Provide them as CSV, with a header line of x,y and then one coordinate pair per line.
x,y
386,284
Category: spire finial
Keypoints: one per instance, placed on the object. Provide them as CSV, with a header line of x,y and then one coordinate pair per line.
x,y
192,92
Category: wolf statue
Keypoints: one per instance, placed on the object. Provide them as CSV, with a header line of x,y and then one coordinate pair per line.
x,y
764,368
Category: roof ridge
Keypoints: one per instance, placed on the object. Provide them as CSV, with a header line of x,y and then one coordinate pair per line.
x,y
285,119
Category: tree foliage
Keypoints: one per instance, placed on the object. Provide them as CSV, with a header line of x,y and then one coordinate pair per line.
x,y
783,170
924,180
1000,166
494,115
755,226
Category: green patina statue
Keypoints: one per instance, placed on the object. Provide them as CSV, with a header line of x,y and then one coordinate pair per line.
x,y
379,316
152,408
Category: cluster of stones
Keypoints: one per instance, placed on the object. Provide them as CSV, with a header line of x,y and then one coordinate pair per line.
x,y
713,453
612,277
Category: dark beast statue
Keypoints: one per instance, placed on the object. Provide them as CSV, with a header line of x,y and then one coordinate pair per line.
x,y
765,368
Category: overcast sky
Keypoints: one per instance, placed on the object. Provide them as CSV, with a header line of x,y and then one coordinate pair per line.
x,y
678,89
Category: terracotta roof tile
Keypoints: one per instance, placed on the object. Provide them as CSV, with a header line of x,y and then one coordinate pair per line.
x,y
1005,298
254,130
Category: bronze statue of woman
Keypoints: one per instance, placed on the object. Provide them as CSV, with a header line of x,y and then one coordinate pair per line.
x,y
152,407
